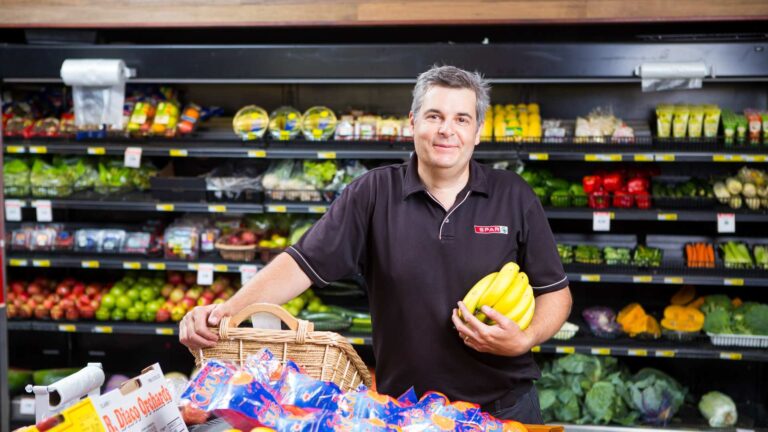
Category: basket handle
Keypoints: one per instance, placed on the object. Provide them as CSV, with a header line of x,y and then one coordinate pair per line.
x,y
291,321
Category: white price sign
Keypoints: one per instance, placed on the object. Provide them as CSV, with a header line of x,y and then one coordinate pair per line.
x,y
247,272
726,223
601,221
132,157
27,406
205,274
43,210
13,210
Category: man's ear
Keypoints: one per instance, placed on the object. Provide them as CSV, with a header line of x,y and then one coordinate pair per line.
x,y
411,118
479,131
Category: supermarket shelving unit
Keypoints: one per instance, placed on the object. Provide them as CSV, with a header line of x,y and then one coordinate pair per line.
x,y
608,66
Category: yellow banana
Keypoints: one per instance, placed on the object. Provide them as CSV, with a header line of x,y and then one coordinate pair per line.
x,y
525,321
513,294
494,292
473,296
521,307
481,317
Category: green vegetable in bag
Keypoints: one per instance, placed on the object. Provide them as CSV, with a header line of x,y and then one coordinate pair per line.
x,y
718,409
561,198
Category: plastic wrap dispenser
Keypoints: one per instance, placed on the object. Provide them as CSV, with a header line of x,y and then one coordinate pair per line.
x,y
98,90
673,75
52,399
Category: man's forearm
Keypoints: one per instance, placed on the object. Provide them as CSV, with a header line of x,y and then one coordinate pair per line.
x,y
281,280
552,309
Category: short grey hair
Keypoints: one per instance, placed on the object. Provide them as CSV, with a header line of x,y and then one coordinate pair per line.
x,y
453,77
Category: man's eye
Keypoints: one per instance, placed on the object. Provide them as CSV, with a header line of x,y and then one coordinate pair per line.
x,y
463,120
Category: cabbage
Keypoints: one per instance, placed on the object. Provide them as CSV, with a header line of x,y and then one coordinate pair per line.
x,y
656,395
718,409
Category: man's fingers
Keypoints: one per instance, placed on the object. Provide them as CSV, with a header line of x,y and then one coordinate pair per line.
x,y
473,323
497,317
460,326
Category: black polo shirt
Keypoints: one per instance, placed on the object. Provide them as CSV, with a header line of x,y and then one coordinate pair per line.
x,y
419,260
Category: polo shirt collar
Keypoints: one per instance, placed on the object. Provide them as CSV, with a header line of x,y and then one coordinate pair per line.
x,y
478,178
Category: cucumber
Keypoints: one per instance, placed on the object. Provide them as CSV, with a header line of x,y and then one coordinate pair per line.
x,y
360,329
348,312
361,321
18,379
331,325
324,316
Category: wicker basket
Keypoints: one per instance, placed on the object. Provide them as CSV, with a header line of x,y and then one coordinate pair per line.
x,y
244,253
322,355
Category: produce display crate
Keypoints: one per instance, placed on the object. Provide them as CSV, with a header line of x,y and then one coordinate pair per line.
x,y
17,191
749,341
306,195
326,356
246,253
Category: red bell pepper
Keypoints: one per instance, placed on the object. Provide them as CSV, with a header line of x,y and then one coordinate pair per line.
x,y
599,199
622,199
637,185
643,200
613,182
591,183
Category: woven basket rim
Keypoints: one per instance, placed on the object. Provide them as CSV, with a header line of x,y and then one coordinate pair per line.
x,y
234,248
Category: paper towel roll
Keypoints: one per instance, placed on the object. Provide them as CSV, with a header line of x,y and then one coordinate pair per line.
x,y
673,70
96,72
75,386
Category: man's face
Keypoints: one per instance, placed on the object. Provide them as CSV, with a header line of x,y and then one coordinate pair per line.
x,y
445,130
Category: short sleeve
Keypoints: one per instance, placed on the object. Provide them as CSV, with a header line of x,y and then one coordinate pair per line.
x,y
539,257
334,247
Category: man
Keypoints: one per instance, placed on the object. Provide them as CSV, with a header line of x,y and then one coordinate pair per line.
x,y
422,233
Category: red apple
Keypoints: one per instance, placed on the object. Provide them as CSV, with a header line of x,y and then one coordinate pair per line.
x,y
202,301
18,302
218,286
176,295
72,315
95,304
23,297
78,289
190,278
248,237
11,311
87,312
188,303
39,298
219,301
234,241
25,312
57,313
67,304
168,305
48,303
162,315
34,288
32,304
92,289
70,281
194,293
41,312
84,300
166,290
207,294
11,297
17,287
174,278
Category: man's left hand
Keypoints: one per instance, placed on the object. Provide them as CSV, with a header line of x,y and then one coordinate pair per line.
x,y
505,338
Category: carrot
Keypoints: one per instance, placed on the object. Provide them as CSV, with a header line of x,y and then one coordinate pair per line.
x,y
689,254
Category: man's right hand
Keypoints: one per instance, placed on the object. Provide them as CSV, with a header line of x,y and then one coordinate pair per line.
x,y
193,328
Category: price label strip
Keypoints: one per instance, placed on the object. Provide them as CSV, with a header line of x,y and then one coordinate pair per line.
x,y
601,351
565,350
637,353
603,157
257,153
538,156
97,151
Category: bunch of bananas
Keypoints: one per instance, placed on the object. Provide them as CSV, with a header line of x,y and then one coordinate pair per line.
x,y
507,291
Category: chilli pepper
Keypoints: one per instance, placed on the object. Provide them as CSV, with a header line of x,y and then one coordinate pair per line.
x,y
599,199
592,183
622,199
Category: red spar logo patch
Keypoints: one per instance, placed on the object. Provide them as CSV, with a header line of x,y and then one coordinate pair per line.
x,y
491,229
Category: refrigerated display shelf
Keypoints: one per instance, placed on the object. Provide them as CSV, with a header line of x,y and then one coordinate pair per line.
x,y
137,201
668,276
590,346
226,146
138,328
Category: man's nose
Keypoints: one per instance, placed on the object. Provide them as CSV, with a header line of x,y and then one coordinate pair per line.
x,y
445,129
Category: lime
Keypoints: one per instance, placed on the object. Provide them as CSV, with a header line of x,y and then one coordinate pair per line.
x,y
123,302
148,316
132,314
153,306
117,290
133,294
139,306
147,294
108,302
118,315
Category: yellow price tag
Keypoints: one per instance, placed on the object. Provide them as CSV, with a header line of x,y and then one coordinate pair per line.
x,y
565,350
637,352
356,341
539,156
15,149
642,279
601,351
97,151
733,282
165,207
41,263
15,262
536,349
102,329
217,209
276,209
131,265
89,264
178,152
665,157
727,158
665,353
590,278
221,268
38,149
318,209
165,331
730,356
673,280
326,155
192,266
755,158
644,157
68,328
667,216
603,157
156,266
257,153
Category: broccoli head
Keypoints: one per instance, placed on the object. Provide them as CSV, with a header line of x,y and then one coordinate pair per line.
x,y
717,301
756,319
718,321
